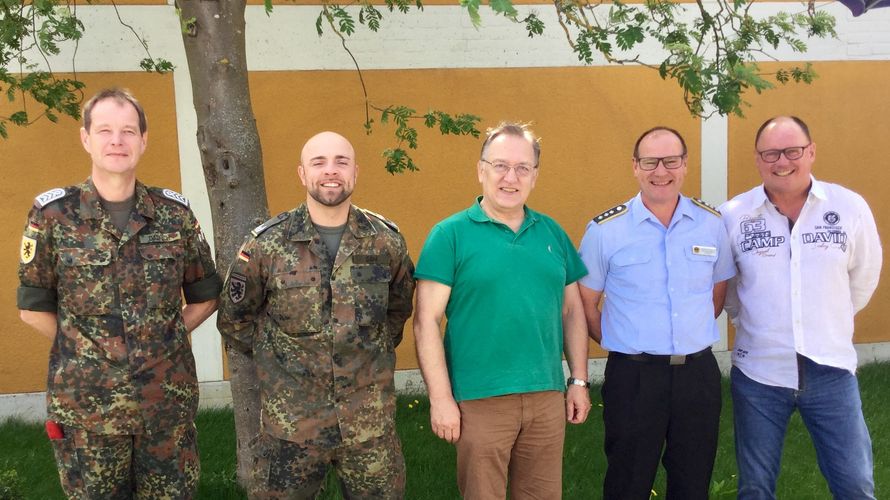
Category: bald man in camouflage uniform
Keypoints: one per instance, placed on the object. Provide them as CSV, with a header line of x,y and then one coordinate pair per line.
x,y
104,266
320,295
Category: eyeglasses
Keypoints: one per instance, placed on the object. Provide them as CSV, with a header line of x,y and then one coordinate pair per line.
x,y
772,155
501,168
651,163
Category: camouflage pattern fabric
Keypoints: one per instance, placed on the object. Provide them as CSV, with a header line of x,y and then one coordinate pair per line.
x,y
165,464
120,362
323,333
374,469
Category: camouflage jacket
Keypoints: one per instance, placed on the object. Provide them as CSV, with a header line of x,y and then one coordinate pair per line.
x,y
323,337
121,362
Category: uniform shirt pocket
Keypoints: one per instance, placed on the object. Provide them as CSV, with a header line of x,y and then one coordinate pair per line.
x,y
163,269
700,262
85,286
295,302
371,292
631,271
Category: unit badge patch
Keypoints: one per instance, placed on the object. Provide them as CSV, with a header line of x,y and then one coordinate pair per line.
x,y
28,250
237,287
831,218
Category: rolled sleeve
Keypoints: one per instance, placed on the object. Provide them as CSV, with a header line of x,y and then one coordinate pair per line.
x,y
31,298
203,290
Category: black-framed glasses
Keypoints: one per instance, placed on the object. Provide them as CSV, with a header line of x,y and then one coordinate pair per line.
x,y
501,168
792,153
669,162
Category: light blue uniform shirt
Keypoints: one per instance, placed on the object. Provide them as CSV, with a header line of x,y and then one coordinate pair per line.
x,y
658,281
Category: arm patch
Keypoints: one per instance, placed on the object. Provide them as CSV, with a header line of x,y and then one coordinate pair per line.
x,y
278,219
706,206
610,214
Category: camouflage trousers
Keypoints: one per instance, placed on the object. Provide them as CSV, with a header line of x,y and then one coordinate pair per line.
x,y
374,469
162,464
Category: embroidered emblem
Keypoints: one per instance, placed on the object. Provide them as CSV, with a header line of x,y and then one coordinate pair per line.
x,y
831,218
610,214
243,255
237,287
173,195
44,199
28,250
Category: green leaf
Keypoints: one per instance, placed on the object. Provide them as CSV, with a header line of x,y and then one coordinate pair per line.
x,y
504,7
473,10
267,5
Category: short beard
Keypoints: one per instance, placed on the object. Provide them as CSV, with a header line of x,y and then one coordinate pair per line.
x,y
336,202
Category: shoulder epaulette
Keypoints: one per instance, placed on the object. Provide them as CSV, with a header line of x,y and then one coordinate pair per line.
x,y
278,219
44,199
610,214
708,207
173,196
390,224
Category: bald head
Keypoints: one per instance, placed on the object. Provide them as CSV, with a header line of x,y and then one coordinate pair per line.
x,y
326,145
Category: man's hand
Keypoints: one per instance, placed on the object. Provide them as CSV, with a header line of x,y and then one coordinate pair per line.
x,y
577,404
445,419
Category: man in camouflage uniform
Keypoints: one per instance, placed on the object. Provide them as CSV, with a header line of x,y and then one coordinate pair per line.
x,y
320,295
104,267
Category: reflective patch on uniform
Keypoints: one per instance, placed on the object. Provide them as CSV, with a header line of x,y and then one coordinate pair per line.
x,y
28,250
237,287
173,195
43,199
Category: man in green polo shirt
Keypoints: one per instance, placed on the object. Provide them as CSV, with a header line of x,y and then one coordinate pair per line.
x,y
505,276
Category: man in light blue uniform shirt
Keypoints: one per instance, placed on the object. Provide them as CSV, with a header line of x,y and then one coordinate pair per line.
x,y
661,262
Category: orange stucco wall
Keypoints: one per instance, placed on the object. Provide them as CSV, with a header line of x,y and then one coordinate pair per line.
x,y
588,118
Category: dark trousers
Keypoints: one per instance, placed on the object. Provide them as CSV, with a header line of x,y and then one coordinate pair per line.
x,y
658,411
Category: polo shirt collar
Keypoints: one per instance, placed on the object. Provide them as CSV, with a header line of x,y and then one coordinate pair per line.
x,y
477,214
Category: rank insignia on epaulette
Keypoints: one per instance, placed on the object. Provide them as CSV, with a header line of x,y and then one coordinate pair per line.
x,y
390,224
28,250
178,198
610,214
705,205
44,199
269,223
237,287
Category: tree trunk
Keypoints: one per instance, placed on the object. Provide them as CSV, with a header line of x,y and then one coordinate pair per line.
x,y
213,34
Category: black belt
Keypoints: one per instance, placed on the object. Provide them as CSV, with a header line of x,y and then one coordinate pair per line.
x,y
661,359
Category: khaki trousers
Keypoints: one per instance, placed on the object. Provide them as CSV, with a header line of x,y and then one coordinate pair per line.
x,y
516,436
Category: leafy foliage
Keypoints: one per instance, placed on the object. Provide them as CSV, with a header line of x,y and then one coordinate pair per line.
x,y
30,32
710,50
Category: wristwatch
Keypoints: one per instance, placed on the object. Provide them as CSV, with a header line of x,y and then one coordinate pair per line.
x,y
577,381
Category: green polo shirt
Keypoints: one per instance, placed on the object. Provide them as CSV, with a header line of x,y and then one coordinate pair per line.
x,y
504,330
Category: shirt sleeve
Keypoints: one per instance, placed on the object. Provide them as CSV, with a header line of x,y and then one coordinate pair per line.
x,y
200,282
725,268
401,292
591,254
575,268
866,259
437,259
243,296
37,275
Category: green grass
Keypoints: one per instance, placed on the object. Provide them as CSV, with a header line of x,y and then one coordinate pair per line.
x,y
26,456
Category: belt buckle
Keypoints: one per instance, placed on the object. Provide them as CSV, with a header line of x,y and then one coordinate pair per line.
x,y
678,359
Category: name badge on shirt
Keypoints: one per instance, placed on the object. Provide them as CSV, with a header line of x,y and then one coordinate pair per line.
x,y
700,250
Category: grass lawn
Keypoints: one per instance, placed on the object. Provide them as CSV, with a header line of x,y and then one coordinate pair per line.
x,y
26,458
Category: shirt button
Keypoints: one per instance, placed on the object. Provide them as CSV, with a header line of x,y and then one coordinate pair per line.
x,y
675,315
